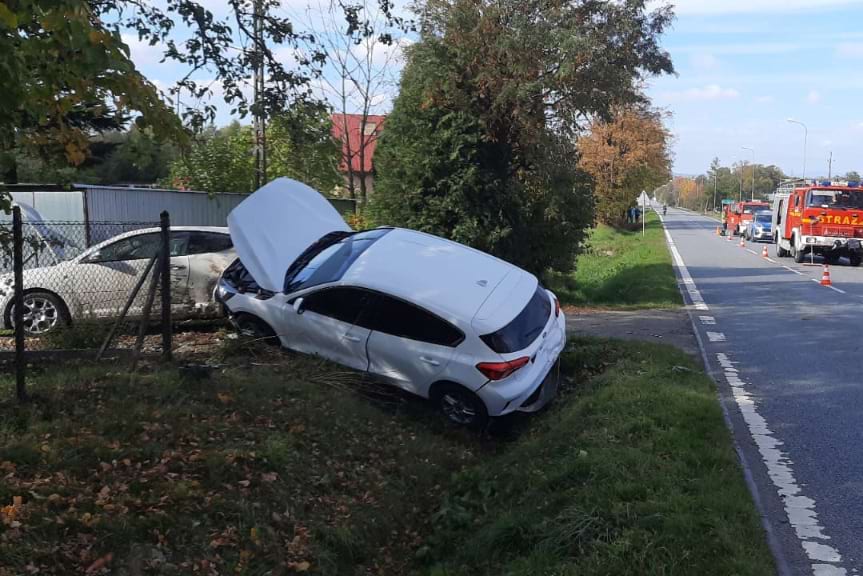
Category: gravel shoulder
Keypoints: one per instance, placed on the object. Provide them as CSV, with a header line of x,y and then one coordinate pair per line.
x,y
660,326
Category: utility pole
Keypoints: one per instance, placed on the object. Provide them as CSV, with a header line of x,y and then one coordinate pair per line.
x,y
714,191
753,169
830,167
260,117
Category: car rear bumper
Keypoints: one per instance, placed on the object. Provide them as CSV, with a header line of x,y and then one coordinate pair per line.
x,y
531,393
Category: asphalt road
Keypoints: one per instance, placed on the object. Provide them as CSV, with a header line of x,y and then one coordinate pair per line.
x,y
787,354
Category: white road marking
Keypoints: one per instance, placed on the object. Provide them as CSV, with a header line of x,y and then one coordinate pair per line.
x,y
707,320
694,294
835,289
716,336
799,508
771,260
790,269
752,251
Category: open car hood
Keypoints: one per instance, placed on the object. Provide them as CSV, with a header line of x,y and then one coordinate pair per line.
x,y
276,224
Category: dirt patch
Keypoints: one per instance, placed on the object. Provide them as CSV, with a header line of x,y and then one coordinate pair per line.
x,y
665,326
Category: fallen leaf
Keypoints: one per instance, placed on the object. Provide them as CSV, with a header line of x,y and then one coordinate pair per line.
x,y
225,398
244,483
269,477
299,566
100,563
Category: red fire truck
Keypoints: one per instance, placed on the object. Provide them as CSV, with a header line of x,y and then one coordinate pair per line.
x,y
819,218
738,215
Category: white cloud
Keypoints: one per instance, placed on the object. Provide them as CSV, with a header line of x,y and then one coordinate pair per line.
x,y
765,99
709,92
849,50
141,52
814,97
704,61
714,7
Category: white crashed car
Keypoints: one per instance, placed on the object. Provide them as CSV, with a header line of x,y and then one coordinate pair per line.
x,y
476,335
96,284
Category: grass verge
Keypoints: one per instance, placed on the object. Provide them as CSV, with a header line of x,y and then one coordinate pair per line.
x,y
634,473
622,269
254,469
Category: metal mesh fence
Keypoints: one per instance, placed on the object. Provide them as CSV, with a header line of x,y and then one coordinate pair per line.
x,y
85,287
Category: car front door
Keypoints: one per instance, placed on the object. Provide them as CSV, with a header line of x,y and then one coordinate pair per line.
x,y
104,280
410,347
331,323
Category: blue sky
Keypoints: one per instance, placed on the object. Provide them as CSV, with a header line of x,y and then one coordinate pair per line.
x,y
743,68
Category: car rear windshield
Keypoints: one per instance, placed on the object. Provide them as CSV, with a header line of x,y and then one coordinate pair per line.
x,y
763,218
525,328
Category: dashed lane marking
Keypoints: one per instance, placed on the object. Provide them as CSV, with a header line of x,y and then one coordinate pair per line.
x,y
707,320
716,336
790,269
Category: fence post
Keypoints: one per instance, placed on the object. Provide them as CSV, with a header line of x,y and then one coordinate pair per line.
x,y
165,267
18,319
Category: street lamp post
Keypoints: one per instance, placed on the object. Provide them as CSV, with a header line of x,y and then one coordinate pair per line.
x,y
805,138
753,169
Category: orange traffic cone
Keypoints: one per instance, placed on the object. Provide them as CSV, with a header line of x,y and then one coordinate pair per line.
x,y
764,253
742,242
825,277
718,231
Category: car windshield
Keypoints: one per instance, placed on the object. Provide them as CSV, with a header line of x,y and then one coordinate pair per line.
x,y
840,199
762,218
328,259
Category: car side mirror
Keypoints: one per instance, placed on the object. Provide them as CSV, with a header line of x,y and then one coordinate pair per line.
x,y
298,306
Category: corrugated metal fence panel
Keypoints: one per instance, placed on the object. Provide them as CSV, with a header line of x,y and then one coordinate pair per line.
x,y
53,205
117,204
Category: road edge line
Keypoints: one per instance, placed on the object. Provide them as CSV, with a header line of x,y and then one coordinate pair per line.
x,y
773,542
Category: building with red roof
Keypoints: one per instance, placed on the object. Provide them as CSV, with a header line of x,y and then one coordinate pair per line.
x,y
359,141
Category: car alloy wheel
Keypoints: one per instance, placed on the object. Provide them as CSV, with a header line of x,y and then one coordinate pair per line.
x,y
40,315
458,409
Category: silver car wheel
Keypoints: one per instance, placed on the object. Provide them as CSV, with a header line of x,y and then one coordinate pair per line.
x,y
40,315
457,409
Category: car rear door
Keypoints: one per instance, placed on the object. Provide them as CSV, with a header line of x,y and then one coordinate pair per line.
x,y
330,323
410,347
209,254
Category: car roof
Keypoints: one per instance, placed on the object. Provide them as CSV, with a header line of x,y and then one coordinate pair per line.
x,y
447,278
112,239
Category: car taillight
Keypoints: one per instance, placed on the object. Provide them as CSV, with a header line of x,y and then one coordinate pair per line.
x,y
500,370
556,307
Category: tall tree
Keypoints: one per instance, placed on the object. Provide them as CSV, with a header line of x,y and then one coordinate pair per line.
x,y
624,156
480,144
359,76
66,73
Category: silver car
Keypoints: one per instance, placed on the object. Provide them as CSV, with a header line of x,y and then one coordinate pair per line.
x,y
760,229
97,283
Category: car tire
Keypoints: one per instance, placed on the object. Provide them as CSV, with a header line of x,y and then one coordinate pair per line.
x,y
855,260
256,329
460,406
44,312
797,254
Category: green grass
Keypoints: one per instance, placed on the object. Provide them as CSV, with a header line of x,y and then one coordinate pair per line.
x,y
279,464
634,473
621,269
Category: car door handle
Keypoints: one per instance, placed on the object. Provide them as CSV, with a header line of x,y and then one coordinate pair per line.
x,y
352,338
177,267
431,361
